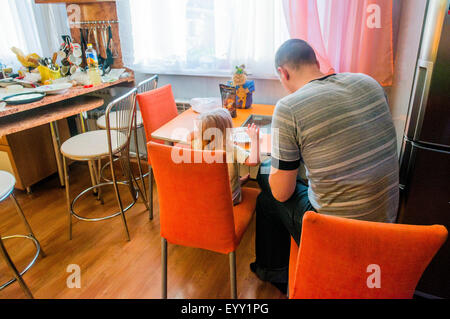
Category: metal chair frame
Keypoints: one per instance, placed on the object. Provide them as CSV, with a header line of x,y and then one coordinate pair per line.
x,y
18,274
125,114
144,86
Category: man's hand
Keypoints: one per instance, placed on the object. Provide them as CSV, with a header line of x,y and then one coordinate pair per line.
x,y
282,183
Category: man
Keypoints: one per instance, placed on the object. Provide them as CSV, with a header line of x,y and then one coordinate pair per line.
x,y
340,127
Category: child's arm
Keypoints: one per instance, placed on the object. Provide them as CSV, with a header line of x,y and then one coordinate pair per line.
x,y
254,157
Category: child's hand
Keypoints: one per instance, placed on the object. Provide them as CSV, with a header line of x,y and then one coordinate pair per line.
x,y
253,132
254,157
190,137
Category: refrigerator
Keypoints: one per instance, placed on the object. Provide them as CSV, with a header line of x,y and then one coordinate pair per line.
x,y
425,153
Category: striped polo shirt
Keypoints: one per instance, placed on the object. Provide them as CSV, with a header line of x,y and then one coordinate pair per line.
x,y
341,128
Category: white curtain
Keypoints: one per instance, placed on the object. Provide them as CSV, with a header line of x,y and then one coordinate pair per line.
x,y
33,28
198,37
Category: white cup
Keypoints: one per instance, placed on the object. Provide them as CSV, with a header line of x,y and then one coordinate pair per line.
x,y
73,69
77,50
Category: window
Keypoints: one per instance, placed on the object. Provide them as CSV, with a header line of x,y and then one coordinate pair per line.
x,y
33,28
202,37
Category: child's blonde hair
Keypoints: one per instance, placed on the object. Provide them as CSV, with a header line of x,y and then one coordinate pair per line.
x,y
219,119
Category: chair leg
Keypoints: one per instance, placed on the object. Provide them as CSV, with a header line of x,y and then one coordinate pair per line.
x,y
25,222
163,268
97,180
150,191
66,178
93,179
141,175
13,268
233,285
119,201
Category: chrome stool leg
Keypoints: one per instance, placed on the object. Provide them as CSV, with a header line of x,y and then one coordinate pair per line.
x,y
138,157
24,220
119,201
18,275
13,268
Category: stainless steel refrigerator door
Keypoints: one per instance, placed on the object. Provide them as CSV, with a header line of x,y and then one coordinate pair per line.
x,y
426,201
429,115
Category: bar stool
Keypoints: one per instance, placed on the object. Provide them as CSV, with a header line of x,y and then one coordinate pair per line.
x,y
111,143
7,183
144,86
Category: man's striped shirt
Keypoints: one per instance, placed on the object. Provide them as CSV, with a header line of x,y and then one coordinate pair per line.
x,y
341,128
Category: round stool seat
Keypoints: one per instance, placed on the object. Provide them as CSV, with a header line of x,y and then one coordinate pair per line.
x,y
113,116
92,145
7,183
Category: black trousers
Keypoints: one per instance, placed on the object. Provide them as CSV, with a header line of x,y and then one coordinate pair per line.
x,y
276,222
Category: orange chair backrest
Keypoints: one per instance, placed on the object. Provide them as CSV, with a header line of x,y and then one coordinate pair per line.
x,y
195,202
345,258
157,108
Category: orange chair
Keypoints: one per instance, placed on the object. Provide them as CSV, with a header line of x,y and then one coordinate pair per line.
x,y
345,259
196,207
157,108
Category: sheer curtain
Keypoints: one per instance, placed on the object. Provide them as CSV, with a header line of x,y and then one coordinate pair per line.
x,y
33,28
197,37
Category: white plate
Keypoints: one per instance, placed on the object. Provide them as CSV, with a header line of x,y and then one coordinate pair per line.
x,y
60,88
203,105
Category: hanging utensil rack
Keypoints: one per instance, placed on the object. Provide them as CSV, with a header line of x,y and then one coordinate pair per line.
x,y
95,22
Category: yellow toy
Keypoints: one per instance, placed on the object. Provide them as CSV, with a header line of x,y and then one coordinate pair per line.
x,y
29,61
241,93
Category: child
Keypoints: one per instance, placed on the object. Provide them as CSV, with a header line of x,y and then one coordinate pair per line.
x,y
218,123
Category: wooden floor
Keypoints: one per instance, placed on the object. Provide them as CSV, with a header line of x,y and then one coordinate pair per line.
x,y
112,267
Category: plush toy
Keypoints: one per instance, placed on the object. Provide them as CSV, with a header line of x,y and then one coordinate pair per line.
x,y
244,88
239,76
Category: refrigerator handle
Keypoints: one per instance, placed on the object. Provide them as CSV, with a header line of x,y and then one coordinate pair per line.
x,y
418,105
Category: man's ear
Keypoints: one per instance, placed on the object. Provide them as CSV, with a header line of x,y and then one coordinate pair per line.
x,y
284,73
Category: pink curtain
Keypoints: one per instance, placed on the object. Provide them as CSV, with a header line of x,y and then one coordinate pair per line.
x,y
303,23
354,36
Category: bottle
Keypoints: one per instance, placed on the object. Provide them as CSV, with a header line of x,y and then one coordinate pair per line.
x,y
92,63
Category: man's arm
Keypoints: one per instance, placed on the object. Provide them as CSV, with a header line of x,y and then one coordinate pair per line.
x,y
283,183
285,154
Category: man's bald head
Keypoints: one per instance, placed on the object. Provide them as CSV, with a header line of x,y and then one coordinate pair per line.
x,y
294,54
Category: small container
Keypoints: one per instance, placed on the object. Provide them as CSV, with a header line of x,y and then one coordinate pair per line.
x,y
92,63
47,74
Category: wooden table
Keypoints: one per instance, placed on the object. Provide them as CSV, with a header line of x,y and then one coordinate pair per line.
x,y
52,108
178,129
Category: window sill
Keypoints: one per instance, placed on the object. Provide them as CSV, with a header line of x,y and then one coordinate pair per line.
x,y
208,75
